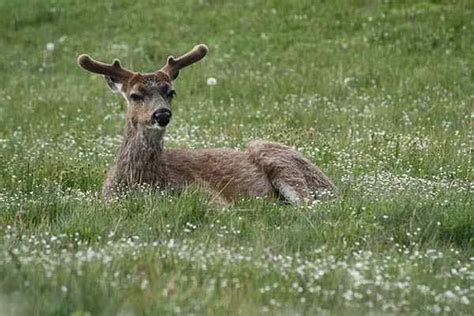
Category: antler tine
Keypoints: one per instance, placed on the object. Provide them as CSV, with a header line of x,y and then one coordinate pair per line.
x,y
113,70
173,65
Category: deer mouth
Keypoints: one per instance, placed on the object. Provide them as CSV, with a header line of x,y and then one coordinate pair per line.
x,y
156,126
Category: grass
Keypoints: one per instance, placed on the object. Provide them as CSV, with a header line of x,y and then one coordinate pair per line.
x,y
377,93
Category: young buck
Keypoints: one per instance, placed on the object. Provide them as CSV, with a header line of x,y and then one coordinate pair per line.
x,y
263,169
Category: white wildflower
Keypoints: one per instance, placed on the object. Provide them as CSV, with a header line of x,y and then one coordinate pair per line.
x,y
50,47
211,81
144,284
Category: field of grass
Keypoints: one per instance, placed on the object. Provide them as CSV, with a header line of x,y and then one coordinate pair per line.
x,y
379,94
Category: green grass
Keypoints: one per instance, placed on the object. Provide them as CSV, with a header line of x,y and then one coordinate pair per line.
x,y
379,94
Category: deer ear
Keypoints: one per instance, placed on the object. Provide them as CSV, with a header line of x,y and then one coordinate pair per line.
x,y
114,84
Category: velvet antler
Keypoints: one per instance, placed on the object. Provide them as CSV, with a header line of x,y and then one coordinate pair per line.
x,y
114,70
173,65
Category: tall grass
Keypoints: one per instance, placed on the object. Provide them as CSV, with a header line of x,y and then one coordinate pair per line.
x,y
377,93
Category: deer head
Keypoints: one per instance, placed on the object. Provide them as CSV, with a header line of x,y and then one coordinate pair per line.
x,y
148,95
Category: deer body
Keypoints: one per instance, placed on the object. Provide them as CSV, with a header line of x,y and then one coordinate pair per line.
x,y
226,174
222,171
262,169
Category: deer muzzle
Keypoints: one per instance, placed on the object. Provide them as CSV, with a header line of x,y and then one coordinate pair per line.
x,y
161,117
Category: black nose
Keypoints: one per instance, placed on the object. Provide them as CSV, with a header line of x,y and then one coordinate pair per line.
x,y
162,117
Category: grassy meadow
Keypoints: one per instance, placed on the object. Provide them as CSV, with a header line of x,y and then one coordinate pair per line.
x,y
379,94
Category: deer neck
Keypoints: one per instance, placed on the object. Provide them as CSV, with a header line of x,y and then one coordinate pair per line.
x,y
142,139
139,155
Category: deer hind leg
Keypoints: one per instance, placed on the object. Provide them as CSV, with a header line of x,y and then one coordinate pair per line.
x,y
291,188
291,174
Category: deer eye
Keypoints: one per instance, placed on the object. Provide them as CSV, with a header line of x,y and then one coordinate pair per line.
x,y
136,97
170,94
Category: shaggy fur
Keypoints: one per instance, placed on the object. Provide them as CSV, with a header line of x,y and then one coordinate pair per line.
x,y
264,169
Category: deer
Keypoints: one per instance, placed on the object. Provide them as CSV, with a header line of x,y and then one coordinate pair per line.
x,y
264,169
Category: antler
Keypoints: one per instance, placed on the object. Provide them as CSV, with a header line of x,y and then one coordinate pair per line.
x,y
114,70
173,65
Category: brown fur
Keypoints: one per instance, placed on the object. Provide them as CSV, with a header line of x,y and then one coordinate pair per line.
x,y
263,169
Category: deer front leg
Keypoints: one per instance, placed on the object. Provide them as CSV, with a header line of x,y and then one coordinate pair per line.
x,y
110,186
218,200
216,197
